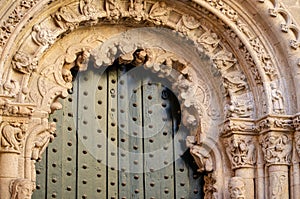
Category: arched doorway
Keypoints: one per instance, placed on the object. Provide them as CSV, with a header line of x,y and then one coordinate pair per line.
x,y
119,136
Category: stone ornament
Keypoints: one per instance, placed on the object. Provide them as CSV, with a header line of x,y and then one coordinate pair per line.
x,y
278,180
24,63
236,188
12,136
209,186
241,151
277,148
21,189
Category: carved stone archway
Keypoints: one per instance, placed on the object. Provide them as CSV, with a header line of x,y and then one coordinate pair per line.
x,y
247,82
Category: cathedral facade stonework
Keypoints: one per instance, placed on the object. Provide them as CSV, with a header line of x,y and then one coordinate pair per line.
x,y
234,65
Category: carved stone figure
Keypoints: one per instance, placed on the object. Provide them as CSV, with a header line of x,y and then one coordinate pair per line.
x,y
12,136
66,18
42,36
11,88
21,189
278,181
277,149
237,188
209,41
239,108
137,10
186,24
159,13
235,81
224,60
241,151
88,9
42,142
203,161
277,99
24,63
113,9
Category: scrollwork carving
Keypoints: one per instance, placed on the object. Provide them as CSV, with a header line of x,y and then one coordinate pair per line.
x,y
241,151
21,188
277,148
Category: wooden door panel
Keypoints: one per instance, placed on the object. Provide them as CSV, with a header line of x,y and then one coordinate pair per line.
x,y
118,136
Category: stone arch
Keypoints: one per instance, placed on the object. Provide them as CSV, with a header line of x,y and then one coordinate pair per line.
x,y
219,29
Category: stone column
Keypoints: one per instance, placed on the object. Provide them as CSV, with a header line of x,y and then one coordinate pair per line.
x,y
296,159
239,141
276,142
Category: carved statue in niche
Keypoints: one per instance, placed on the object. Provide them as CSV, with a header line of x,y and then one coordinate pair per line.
x,y
237,188
203,161
12,135
241,151
88,9
42,36
66,18
277,99
113,9
277,149
21,189
42,142
137,10
159,13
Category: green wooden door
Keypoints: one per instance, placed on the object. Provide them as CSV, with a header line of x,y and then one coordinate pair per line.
x,y
117,136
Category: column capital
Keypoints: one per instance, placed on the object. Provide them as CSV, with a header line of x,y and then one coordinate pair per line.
x,y
277,148
241,151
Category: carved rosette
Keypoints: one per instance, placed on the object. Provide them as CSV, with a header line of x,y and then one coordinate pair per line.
x,y
241,151
277,148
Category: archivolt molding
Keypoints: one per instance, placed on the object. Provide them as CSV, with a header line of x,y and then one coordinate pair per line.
x,y
67,18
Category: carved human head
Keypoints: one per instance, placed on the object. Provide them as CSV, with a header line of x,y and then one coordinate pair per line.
x,y
237,188
21,189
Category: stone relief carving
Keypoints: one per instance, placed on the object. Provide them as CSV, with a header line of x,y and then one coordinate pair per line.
x,y
237,188
137,10
12,136
42,36
8,108
278,180
21,189
159,13
277,148
241,151
186,24
201,157
66,18
88,9
42,141
277,99
113,9
24,63
210,190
